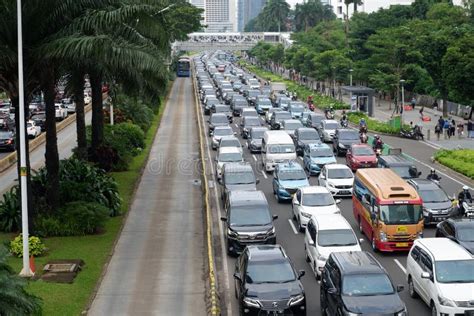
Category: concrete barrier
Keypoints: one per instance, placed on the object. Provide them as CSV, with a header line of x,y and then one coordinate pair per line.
x,y
11,159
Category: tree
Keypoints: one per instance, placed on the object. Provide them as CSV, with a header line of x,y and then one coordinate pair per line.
x,y
310,13
14,299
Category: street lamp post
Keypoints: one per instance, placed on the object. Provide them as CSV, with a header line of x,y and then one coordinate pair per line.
x,y
26,271
350,76
402,81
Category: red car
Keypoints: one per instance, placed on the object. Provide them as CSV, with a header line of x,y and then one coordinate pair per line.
x,y
361,156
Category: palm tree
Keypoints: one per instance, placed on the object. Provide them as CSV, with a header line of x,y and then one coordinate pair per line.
x,y
311,13
14,300
276,10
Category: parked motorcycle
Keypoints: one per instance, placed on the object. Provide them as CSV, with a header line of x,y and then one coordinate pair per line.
x,y
415,134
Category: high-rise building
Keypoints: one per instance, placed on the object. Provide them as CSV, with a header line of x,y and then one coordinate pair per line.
x,y
247,10
220,16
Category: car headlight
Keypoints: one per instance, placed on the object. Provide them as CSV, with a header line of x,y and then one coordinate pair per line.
x,y
232,233
383,236
426,211
295,300
322,258
446,301
341,145
251,302
330,184
308,215
402,313
271,232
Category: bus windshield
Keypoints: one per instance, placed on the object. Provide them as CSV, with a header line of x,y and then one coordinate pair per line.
x,y
400,213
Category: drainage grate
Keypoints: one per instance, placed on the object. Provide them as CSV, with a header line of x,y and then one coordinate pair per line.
x,y
60,267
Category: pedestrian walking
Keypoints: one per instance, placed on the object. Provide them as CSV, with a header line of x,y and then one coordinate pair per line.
x,y
421,112
435,105
446,128
452,128
441,122
470,131
438,130
413,103
460,130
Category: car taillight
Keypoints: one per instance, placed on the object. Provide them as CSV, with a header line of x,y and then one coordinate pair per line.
x,y
9,142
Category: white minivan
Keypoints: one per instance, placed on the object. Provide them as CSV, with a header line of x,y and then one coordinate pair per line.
x,y
325,234
277,147
441,272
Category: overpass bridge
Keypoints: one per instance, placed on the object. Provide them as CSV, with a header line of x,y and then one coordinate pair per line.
x,y
230,41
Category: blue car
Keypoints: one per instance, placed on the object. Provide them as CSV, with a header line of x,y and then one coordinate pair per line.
x,y
263,105
315,156
296,109
287,178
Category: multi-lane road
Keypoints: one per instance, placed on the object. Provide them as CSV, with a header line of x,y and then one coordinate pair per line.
x,y
292,240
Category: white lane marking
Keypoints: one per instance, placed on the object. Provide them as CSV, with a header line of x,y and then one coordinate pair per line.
x,y
400,266
264,174
236,125
292,226
301,158
254,158
430,144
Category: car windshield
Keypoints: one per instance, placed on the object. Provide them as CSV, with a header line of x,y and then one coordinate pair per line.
x,y
367,285
239,178
433,196
309,135
230,157
220,109
29,125
316,120
296,174
219,119
465,234
348,135
318,199
336,237
292,125
322,152
281,149
264,102
253,93
223,131
297,108
275,271
402,171
331,126
253,121
230,143
455,271
362,151
257,134
250,216
401,213
340,173
283,115
5,134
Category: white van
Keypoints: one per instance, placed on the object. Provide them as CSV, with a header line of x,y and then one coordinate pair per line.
x,y
277,147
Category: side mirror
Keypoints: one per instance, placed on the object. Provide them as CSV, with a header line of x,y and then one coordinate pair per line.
x,y
426,275
275,217
311,242
237,276
301,273
373,217
333,291
338,201
224,219
361,239
257,181
296,202
400,288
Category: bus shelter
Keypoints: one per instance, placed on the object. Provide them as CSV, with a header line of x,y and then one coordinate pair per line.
x,y
362,98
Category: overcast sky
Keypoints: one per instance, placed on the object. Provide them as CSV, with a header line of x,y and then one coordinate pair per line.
x,y
293,2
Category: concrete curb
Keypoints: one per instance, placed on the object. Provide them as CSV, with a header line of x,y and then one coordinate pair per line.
x,y
11,159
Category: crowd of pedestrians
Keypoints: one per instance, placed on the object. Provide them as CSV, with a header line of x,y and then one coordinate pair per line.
x,y
449,127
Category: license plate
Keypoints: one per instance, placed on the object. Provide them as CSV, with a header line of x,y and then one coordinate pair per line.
x,y
401,244
345,192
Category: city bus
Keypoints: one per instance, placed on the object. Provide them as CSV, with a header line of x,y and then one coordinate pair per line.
x,y
183,67
388,210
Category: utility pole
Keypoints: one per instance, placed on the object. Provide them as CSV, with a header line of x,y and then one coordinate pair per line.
x,y
26,271
402,81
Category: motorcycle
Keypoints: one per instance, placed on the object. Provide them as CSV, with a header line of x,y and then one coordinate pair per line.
x,y
378,151
329,115
415,134
364,138
468,209
435,180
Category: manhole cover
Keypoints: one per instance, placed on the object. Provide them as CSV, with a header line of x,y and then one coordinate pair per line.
x,y
196,182
60,267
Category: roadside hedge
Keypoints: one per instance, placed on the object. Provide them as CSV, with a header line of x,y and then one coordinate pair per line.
x,y
460,160
372,125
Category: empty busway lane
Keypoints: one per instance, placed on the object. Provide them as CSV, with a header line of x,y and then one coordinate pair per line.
x,y
157,267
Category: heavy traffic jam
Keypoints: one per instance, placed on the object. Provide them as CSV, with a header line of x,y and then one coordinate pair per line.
x,y
319,217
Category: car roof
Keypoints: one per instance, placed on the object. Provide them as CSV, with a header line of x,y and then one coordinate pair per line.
x,y
329,121
443,249
306,129
218,114
312,114
424,184
395,160
266,252
314,189
291,121
360,145
259,128
462,222
239,197
227,127
336,166
355,262
331,221
229,150
347,130
229,137
237,167
289,166
317,146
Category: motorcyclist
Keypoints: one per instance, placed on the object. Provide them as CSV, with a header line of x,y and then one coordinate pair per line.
x,y
309,100
329,112
377,143
433,176
344,118
464,196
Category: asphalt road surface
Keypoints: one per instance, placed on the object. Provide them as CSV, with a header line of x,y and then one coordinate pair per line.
x,y
292,241
67,141
158,263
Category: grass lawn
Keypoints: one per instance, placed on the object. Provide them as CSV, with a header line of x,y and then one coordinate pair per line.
x,y
321,101
71,299
460,160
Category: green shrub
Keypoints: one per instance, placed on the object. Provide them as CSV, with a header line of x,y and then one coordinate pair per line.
x,y
36,246
460,160
135,111
10,213
74,219
373,125
130,135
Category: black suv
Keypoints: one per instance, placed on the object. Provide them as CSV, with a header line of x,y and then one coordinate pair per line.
x,y
304,136
266,283
356,283
343,139
459,230
248,220
247,123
